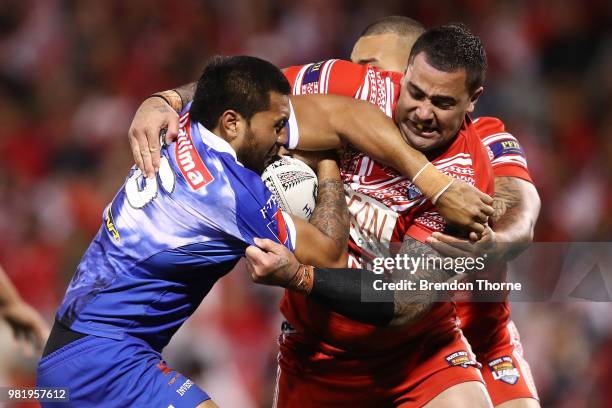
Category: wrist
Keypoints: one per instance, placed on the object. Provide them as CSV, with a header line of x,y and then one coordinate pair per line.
x,y
302,280
171,97
432,182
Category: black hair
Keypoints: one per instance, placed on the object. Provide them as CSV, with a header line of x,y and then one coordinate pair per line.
x,y
450,48
240,83
400,25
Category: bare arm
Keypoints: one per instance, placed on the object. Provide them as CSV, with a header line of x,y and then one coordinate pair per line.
x,y
341,289
26,323
517,206
323,240
328,121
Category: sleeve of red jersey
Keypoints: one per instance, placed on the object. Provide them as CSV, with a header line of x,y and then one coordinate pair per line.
x,y
332,76
507,156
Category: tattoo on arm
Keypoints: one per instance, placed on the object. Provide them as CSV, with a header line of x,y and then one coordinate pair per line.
x,y
411,305
507,197
330,215
186,92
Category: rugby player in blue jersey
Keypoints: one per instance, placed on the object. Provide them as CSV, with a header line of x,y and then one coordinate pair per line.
x,y
164,241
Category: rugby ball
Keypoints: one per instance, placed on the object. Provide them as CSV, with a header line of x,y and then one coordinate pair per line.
x,y
293,184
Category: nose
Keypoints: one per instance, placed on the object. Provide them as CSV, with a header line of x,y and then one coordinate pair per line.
x,y
424,112
283,136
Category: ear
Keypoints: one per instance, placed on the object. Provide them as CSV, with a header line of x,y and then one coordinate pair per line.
x,y
474,99
230,123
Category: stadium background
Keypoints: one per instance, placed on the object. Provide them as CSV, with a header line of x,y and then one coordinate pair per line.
x,y
73,72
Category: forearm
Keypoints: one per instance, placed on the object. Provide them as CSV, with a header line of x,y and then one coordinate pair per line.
x,y
330,215
517,206
343,290
328,121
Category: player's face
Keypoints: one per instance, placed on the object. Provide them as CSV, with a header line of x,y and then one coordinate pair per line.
x,y
388,52
432,104
266,134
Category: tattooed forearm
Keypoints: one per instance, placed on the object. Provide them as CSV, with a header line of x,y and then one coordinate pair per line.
x,y
330,215
186,92
517,206
411,305
507,196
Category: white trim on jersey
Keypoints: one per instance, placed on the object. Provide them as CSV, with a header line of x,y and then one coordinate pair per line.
x,y
297,86
458,155
325,74
290,229
293,130
389,95
365,89
497,136
456,161
510,159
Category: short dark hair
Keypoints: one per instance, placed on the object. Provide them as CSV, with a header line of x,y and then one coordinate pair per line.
x,y
452,47
400,25
240,83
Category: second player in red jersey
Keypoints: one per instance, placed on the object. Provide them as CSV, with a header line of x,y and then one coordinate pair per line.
x,y
358,364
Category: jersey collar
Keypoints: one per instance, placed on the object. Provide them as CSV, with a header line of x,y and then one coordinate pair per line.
x,y
215,142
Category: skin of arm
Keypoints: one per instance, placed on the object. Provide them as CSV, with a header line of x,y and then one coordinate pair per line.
x,y
327,122
25,322
323,240
517,206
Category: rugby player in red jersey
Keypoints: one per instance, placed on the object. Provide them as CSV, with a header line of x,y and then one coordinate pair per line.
x,y
386,44
416,355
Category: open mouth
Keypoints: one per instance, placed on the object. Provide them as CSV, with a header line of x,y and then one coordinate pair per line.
x,y
422,130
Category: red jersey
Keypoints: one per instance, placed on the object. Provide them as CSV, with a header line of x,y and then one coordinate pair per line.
x,y
384,206
482,322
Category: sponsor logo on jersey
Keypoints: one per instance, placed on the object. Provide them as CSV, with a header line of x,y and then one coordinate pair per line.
x,y
184,388
507,146
188,159
110,224
460,358
503,369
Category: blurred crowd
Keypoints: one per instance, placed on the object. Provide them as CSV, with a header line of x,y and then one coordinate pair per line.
x,y
73,72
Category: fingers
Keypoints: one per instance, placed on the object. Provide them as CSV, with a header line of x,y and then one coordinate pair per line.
x,y
136,149
488,210
461,244
142,155
254,256
446,249
477,227
152,135
486,198
172,130
269,246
